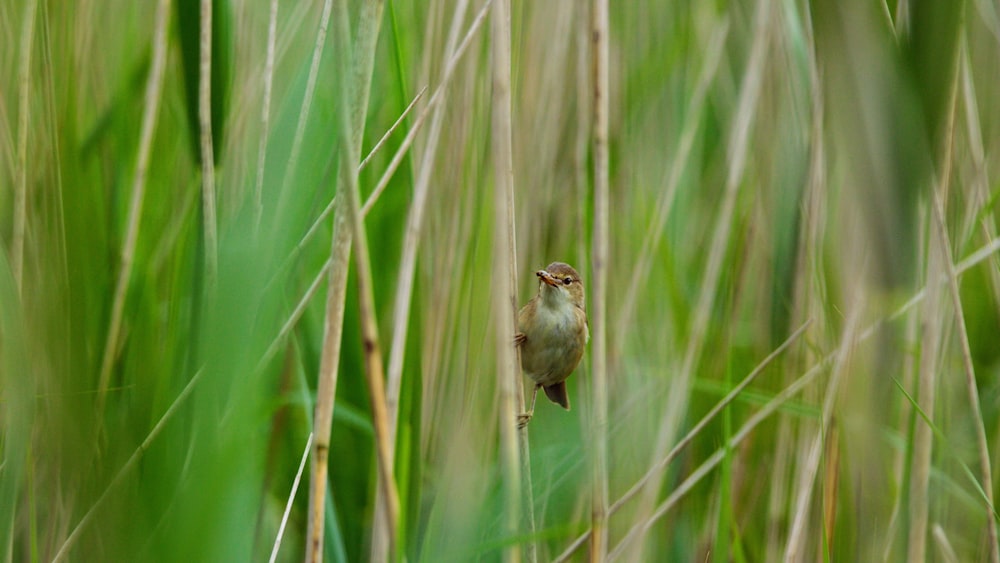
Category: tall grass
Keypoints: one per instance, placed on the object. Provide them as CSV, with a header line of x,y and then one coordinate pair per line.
x,y
799,296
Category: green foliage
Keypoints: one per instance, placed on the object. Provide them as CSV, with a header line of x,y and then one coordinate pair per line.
x,y
844,124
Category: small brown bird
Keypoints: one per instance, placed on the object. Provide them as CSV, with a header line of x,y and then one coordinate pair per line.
x,y
552,333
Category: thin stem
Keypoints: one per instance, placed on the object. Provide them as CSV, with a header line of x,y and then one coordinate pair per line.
x,y
737,157
154,89
352,130
387,134
265,112
207,149
307,99
439,94
291,499
296,314
599,30
650,243
333,322
504,296
374,373
24,109
920,464
657,468
794,549
974,259
411,240
348,224
944,243
132,460
326,386
318,222
408,260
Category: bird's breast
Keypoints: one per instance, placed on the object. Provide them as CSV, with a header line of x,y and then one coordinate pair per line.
x,y
554,345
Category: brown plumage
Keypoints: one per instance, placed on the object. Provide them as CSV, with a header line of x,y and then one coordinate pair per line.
x,y
553,333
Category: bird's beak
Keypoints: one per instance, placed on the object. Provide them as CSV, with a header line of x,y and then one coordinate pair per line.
x,y
547,278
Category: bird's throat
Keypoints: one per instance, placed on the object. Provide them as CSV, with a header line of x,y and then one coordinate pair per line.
x,y
555,298
555,309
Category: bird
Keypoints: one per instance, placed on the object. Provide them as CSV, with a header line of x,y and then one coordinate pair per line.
x,y
552,334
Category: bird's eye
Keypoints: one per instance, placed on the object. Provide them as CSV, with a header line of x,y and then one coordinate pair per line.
x,y
567,281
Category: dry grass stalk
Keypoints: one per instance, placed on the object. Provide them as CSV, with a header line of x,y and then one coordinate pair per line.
x,y
291,499
678,165
716,458
504,279
640,529
374,372
368,26
502,29
831,483
947,552
797,534
326,386
325,214
433,102
24,109
154,89
810,295
737,156
385,137
265,112
581,141
411,240
339,265
794,388
408,260
902,16
207,150
944,243
598,315
690,436
987,251
920,465
980,183
293,318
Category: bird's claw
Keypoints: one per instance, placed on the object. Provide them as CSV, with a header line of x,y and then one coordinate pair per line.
x,y
523,419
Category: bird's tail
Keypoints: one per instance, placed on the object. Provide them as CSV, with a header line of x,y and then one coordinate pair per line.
x,y
557,394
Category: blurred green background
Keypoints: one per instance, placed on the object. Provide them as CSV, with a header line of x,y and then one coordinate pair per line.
x,y
772,163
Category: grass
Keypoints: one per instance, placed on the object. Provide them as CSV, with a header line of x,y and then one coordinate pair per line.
x,y
213,242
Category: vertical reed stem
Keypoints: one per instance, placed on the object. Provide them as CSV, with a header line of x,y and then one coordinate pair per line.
x,y
333,322
207,149
24,108
374,371
599,281
340,255
504,296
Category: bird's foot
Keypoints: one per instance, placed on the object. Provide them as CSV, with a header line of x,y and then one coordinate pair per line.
x,y
523,419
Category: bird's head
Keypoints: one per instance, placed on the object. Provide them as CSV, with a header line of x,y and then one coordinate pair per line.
x,y
560,283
